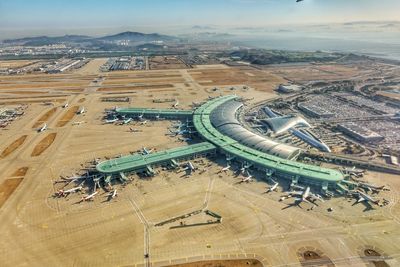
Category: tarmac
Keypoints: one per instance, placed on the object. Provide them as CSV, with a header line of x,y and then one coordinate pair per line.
x,y
39,230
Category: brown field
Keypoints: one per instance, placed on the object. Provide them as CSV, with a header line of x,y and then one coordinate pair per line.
x,y
221,263
13,146
44,144
131,88
44,85
7,188
28,101
394,96
260,80
15,63
9,185
45,117
309,72
122,75
143,81
67,116
20,172
166,62
27,92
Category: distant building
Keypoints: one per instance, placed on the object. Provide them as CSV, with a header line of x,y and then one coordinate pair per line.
x,y
315,111
289,88
359,132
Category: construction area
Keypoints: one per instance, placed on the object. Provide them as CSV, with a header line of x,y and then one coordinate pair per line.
x,y
207,165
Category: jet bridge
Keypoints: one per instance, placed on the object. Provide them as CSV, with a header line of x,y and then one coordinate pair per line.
x,y
139,163
155,113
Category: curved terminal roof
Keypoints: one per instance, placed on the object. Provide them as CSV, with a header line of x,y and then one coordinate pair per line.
x,y
284,123
223,118
227,145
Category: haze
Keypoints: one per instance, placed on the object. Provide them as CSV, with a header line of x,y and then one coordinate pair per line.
x,y
22,18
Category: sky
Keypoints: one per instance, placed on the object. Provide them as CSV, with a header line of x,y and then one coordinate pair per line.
x,y
96,17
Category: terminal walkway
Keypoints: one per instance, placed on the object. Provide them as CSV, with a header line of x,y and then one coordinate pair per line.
x,y
145,163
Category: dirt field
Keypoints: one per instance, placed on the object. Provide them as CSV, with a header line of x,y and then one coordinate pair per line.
x,y
45,118
13,146
44,144
260,80
14,63
67,116
39,229
7,188
221,263
166,62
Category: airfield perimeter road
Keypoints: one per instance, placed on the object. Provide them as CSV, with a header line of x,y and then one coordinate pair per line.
x,y
39,230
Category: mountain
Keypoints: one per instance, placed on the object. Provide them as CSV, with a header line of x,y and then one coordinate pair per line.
x,y
46,40
136,37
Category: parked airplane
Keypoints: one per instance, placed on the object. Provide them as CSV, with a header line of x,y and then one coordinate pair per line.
x,y
305,196
225,169
247,179
374,189
183,139
112,194
145,151
143,122
65,105
89,197
133,130
64,193
362,197
43,128
112,120
81,111
128,120
176,104
189,167
78,122
272,188
140,117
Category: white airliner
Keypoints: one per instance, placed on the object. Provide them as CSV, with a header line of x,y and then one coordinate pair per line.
x,y
81,111
113,194
362,197
189,167
273,188
143,122
225,169
89,197
128,120
176,104
112,120
133,130
43,128
65,105
145,151
247,179
62,193
305,196
140,117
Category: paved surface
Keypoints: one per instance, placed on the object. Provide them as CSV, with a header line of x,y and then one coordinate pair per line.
x,y
38,230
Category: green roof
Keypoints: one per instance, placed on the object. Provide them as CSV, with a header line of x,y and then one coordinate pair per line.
x,y
138,161
204,127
